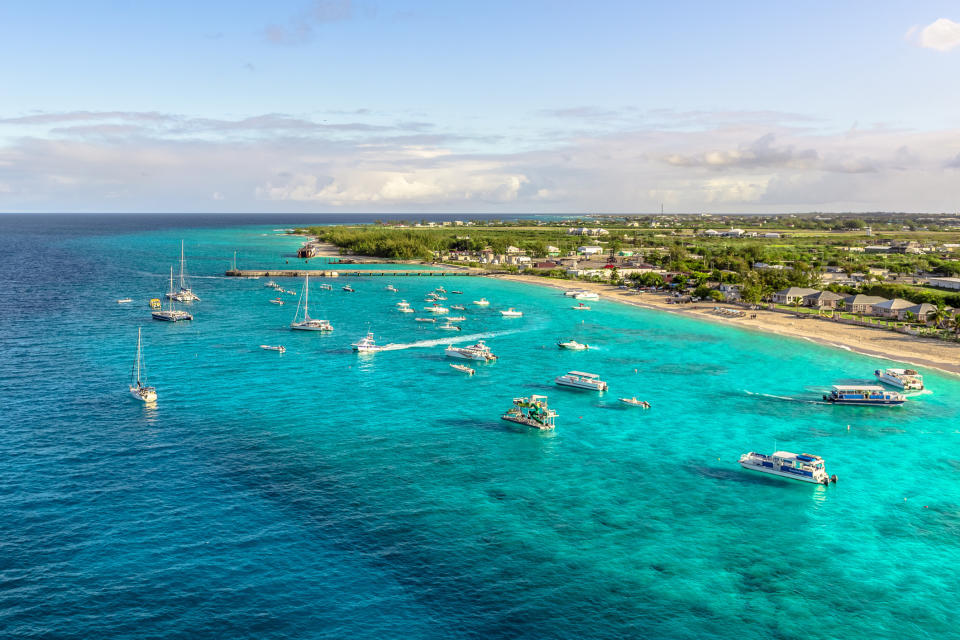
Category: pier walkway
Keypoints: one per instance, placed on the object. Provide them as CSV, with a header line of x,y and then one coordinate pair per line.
x,y
349,273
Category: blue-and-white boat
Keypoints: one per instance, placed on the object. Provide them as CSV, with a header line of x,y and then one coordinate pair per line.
x,y
863,394
798,466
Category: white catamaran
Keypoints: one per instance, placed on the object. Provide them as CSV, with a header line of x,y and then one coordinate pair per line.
x,y
171,314
139,376
185,293
308,323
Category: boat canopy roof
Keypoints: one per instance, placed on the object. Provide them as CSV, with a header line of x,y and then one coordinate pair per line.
x,y
857,387
583,374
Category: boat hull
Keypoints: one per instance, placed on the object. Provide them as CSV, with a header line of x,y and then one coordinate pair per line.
x,y
526,422
166,316
580,385
144,394
866,403
783,474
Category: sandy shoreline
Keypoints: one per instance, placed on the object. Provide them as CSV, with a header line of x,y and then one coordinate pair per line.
x,y
919,352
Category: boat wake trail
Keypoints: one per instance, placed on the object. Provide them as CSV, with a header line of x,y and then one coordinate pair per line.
x,y
776,397
450,340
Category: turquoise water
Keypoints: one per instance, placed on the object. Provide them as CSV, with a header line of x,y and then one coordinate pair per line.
x,y
316,493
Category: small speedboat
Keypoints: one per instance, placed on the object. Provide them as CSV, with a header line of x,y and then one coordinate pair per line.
x,y
449,327
458,307
124,300
293,293
462,367
482,302
347,287
573,345
326,287
456,318
425,319
270,347
390,287
635,403
270,283
580,307
277,300
457,292
511,313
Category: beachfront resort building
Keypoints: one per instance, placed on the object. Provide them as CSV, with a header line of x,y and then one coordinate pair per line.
x,y
861,304
792,295
892,308
822,300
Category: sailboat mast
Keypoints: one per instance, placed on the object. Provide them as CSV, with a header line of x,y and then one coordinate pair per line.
x,y
306,297
138,356
181,266
171,288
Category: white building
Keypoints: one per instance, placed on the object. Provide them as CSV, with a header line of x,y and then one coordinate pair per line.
x,y
590,250
945,283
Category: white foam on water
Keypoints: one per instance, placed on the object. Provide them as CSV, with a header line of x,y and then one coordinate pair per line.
x,y
451,340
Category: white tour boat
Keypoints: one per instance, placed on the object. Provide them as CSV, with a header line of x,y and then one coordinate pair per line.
x,y
138,377
906,379
532,412
307,323
863,394
171,313
572,345
798,466
511,313
479,351
270,347
586,295
482,302
581,380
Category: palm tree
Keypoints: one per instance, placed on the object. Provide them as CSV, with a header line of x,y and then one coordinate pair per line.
x,y
939,314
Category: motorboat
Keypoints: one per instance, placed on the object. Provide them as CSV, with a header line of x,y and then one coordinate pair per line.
x,y
511,313
462,367
479,351
456,318
797,466
482,302
863,394
586,295
633,402
906,379
456,292
573,292
366,344
532,412
390,287
326,287
124,300
435,308
138,378
270,347
449,327
277,301
458,307
348,288
580,307
572,345
581,380
425,319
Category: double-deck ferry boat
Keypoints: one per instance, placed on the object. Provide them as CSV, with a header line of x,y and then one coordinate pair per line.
x,y
798,466
906,379
581,380
532,412
479,351
863,394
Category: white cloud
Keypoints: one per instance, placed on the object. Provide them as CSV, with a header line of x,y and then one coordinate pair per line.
x,y
942,35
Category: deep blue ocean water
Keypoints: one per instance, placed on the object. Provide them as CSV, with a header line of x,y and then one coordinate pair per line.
x,y
318,494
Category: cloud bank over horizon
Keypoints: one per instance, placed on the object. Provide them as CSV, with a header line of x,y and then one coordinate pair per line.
x,y
150,161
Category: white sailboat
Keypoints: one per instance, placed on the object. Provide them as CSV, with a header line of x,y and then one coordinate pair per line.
x,y
138,376
308,323
171,314
185,293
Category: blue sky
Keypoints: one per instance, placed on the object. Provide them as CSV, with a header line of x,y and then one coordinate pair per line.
x,y
335,105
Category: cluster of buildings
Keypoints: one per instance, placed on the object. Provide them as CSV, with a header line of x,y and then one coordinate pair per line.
x,y
858,304
736,233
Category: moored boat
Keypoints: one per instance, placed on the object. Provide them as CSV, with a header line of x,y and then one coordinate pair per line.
x,y
482,302
458,307
863,394
124,300
307,323
479,351
634,402
797,466
581,380
171,313
586,295
425,319
270,347
390,287
277,300
138,378
184,293
532,412
456,318
462,367
435,308
348,288
511,313
572,345
906,379
449,327
580,307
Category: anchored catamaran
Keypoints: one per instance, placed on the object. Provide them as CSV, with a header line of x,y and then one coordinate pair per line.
x,y
532,412
308,323
185,293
